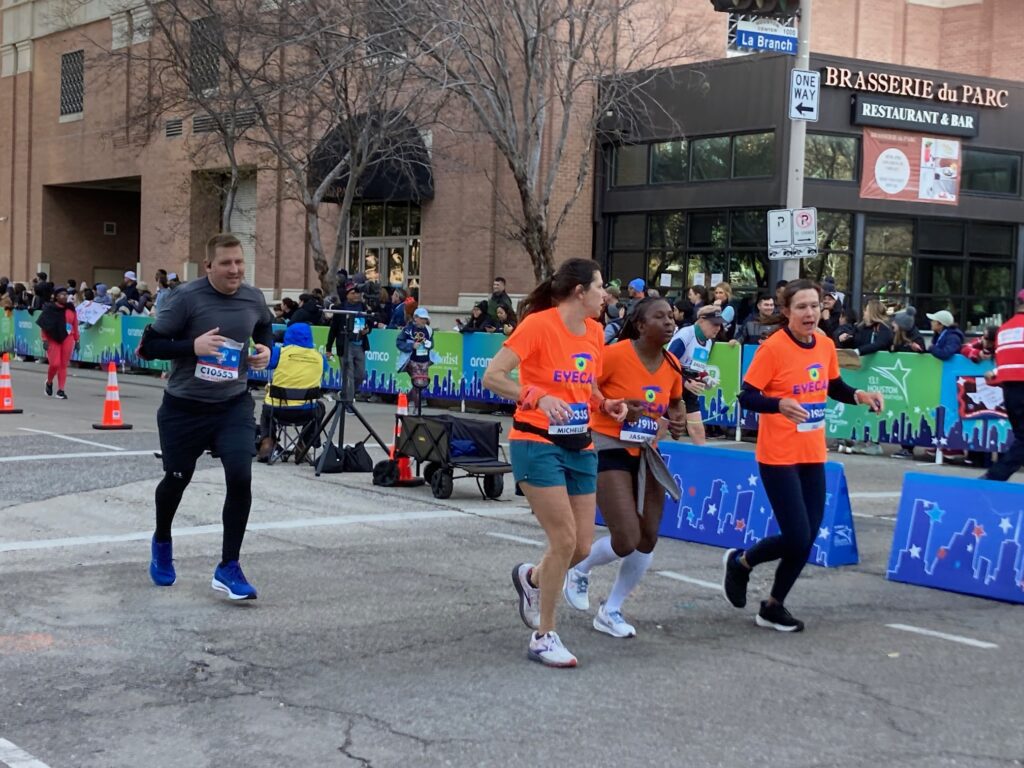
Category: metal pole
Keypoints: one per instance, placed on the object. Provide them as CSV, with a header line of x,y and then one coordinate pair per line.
x,y
797,136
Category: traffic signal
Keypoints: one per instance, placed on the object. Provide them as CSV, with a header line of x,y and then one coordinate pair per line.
x,y
758,7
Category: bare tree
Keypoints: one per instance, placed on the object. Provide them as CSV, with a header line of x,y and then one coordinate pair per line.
x,y
539,76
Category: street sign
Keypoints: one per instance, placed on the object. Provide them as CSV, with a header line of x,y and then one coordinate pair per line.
x,y
780,228
792,233
805,226
767,34
804,94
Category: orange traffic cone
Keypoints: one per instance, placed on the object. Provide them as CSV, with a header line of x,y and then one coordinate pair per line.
x,y
6,390
405,476
112,405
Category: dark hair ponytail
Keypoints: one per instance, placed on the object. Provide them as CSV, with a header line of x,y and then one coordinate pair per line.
x,y
631,327
559,286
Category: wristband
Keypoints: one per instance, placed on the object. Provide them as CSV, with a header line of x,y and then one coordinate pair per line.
x,y
528,398
597,402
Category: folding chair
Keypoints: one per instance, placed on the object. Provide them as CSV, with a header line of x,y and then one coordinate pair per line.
x,y
289,425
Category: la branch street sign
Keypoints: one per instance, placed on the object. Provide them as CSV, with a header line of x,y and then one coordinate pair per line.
x,y
804,93
767,34
792,233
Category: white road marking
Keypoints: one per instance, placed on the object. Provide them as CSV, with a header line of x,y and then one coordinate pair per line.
x,y
279,525
512,537
72,439
690,580
52,456
875,495
15,757
943,636
888,518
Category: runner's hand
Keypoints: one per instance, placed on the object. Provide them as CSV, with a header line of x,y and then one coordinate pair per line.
x,y
617,409
676,424
556,409
261,359
694,386
209,343
873,400
634,410
792,410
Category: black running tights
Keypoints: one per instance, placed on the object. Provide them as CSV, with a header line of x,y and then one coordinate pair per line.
x,y
237,501
797,496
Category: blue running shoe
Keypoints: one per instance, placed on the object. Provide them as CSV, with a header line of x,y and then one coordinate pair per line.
x,y
161,566
230,580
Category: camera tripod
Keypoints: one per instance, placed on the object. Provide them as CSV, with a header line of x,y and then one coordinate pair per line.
x,y
345,401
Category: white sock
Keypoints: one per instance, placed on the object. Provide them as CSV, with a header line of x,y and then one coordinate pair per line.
x,y
601,553
631,571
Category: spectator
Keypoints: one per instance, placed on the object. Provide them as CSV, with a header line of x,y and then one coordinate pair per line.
x,y
21,297
72,286
479,321
761,325
684,312
5,285
309,311
278,313
844,334
982,348
780,286
296,365
6,304
948,338
58,326
397,318
416,344
499,298
873,333
115,298
129,288
290,307
831,309
637,292
723,295
42,291
358,342
102,295
905,335
507,321
698,296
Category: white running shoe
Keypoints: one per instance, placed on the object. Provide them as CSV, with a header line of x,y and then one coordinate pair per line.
x,y
576,589
548,650
612,623
529,596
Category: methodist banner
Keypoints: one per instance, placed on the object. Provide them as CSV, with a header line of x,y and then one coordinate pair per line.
x,y
6,332
27,341
100,342
910,166
478,349
960,534
724,504
718,406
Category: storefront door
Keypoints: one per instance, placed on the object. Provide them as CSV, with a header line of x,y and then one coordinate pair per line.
x,y
384,261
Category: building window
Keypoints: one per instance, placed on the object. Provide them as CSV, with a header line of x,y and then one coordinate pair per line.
x,y
835,251
830,157
711,158
888,261
991,173
72,83
205,41
630,165
753,155
669,162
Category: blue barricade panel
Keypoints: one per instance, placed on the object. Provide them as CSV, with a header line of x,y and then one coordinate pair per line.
x,y
961,535
724,504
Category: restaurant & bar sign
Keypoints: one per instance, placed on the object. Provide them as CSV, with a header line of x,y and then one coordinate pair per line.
x,y
905,115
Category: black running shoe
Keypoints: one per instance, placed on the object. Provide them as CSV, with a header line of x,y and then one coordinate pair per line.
x,y
61,395
49,389
777,617
734,578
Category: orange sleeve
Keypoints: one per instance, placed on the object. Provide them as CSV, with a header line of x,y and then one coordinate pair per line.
x,y
762,369
523,340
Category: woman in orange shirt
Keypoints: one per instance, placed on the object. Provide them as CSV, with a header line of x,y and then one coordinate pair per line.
x,y
793,373
558,347
650,379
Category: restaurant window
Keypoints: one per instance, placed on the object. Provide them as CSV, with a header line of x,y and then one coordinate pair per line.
x,y
835,251
830,157
990,240
666,237
628,238
669,161
888,262
991,173
753,155
710,158
630,165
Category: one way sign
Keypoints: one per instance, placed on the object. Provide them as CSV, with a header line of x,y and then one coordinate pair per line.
x,y
804,90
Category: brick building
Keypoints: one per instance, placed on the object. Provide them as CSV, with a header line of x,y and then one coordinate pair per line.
x,y
86,194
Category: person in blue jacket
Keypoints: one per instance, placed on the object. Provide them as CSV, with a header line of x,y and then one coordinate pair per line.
x,y
948,337
416,345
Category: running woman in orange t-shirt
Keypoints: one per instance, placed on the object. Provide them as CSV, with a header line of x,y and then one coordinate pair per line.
x,y
793,374
650,379
558,348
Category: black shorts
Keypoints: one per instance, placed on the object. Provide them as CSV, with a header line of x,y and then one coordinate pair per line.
x,y
691,401
188,428
617,459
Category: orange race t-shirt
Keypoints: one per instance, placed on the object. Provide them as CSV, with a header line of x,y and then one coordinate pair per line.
x,y
560,364
783,368
626,377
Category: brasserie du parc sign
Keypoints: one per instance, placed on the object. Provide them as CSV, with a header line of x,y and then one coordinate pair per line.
x,y
915,87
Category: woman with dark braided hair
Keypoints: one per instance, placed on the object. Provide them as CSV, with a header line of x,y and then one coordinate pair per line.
x,y
630,496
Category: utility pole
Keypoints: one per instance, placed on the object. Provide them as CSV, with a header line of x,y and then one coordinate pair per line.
x,y
790,268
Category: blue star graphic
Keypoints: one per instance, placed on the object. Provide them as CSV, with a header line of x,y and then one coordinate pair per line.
x,y
935,513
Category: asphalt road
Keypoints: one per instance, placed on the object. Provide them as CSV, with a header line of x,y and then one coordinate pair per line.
x,y
386,631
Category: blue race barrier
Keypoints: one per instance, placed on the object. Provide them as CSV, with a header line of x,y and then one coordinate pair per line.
x,y
724,504
961,535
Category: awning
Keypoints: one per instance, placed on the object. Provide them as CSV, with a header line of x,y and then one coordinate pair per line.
x,y
399,172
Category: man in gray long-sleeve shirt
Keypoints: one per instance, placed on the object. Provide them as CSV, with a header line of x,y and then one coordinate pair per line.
x,y
204,328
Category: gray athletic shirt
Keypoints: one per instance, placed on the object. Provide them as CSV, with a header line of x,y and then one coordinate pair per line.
x,y
194,308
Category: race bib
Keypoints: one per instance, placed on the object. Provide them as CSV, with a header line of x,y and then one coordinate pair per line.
x,y
577,424
222,366
643,430
700,360
359,324
815,417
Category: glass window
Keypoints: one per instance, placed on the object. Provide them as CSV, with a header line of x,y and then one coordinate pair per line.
x,y
206,39
990,240
889,236
706,265
748,272
625,265
994,173
940,236
710,158
353,258
939,277
628,231
667,230
830,157
750,228
669,162
414,220
72,83
630,165
414,263
666,262
397,219
708,230
835,265
887,274
373,220
994,280
753,155
833,231
354,219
